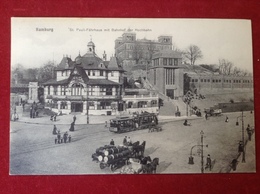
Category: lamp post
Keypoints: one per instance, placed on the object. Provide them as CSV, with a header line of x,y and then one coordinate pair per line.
x,y
243,136
202,159
87,107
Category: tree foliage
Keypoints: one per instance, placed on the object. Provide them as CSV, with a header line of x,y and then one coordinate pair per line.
x,y
192,54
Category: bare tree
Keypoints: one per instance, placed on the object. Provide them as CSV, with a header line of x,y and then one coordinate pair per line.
x,y
193,53
225,67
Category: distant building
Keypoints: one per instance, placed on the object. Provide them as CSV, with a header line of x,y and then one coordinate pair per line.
x,y
166,73
131,51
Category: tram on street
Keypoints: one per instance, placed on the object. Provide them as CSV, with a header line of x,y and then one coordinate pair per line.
x,y
136,122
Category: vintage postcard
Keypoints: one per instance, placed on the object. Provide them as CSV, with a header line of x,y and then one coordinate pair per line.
x,y
131,96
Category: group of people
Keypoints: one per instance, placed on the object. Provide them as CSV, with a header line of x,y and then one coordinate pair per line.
x,y
127,141
60,139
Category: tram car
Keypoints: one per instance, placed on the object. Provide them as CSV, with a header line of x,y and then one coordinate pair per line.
x,y
135,122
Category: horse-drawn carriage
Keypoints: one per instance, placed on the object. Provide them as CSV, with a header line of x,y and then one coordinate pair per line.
x,y
117,156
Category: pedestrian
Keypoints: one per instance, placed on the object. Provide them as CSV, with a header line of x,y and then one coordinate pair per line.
x,y
58,137
125,140
65,136
74,118
234,164
186,123
226,119
112,142
249,132
56,140
208,164
69,138
129,142
54,117
206,116
72,126
51,118
54,132
240,147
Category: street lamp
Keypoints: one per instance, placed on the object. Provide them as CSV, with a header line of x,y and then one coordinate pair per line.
x,y
243,135
191,158
202,161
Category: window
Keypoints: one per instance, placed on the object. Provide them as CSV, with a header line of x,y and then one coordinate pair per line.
x,y
170,76
109,91
112,73
93,72
88,72
105,105
55,90
201,80
101,72
91,105
76,89
49,91
170,61
164,61
175,62
142,104
91,90
63,90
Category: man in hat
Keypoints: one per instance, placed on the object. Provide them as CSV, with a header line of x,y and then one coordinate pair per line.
x,y
112,142
65,136
54,132
249,132
226,119
125,140
208,164
59,137
74,118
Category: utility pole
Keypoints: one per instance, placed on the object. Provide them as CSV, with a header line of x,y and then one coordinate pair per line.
x,y
87,107
243,139
202,161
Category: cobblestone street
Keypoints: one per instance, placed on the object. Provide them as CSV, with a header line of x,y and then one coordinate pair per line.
x,y
33,150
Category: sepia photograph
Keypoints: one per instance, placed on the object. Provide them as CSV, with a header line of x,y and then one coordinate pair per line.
x,y
131,96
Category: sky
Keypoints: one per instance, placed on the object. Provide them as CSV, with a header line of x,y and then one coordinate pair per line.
x,y
217,38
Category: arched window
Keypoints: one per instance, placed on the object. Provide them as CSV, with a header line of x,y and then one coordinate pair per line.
x,y
76,89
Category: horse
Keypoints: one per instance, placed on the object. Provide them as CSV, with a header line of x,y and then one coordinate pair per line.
x,y
150,168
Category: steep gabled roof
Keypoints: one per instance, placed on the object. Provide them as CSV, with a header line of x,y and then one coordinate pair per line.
x,y
79,71
65,63
114,64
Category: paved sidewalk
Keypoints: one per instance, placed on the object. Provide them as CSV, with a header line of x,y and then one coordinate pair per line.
x,y
82,119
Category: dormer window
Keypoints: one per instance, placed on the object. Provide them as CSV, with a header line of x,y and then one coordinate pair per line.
x,y
90,49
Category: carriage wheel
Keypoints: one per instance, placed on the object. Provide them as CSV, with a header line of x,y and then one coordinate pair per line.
x,y
102,165
113,167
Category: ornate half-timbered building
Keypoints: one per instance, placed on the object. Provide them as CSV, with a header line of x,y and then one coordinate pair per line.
x,y
88,84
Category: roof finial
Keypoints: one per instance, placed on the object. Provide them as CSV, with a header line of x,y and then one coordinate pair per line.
x,y
79,53
90,37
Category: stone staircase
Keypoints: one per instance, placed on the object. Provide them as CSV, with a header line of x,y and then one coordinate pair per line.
x,y
170,106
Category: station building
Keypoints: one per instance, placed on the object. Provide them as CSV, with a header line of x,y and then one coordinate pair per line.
x,y
166,73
